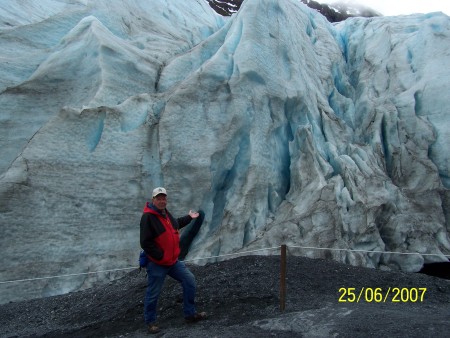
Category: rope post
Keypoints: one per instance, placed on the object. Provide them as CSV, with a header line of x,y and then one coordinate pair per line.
x,y
283,278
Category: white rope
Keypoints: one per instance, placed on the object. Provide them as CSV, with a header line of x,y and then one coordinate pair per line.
x,y
60,276
369,251
130,268
224,255
232,254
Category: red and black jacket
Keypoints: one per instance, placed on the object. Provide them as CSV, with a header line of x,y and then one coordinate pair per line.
x,y
159,235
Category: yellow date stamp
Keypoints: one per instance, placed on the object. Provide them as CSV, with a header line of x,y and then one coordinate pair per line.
x,y
380,295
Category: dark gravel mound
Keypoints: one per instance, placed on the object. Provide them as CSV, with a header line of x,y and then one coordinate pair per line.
x,y
242,299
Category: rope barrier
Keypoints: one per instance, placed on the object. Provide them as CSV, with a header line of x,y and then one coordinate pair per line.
x,y
68,275
232,254
131,268
368,251
224,255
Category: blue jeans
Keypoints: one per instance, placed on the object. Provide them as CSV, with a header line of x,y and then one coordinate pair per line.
x,y
156,275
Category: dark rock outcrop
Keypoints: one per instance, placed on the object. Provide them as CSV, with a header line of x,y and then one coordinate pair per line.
x,y
335,13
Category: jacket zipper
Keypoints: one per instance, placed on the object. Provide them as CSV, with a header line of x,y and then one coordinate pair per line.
x,y
170,229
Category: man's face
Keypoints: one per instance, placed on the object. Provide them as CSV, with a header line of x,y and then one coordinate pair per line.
x,y
160,201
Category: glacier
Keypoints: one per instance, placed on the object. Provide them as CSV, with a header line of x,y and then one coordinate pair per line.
x,y
282,127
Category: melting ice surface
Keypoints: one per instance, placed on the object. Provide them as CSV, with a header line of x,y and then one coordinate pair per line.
x,y
283,128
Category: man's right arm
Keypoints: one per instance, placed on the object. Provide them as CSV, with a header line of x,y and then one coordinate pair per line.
x,y
147,235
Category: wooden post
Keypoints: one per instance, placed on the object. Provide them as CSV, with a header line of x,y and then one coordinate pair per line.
x,y
283,278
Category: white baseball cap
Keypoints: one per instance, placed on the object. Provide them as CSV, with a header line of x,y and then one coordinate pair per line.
x,y
159,190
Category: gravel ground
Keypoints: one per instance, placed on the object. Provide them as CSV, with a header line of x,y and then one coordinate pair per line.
x,y
242,298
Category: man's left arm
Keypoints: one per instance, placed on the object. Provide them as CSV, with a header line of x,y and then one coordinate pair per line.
x,y
183,221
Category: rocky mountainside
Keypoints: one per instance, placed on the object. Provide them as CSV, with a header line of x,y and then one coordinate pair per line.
x,y
333,13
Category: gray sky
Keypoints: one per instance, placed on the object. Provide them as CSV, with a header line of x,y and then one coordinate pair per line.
x,y
401,7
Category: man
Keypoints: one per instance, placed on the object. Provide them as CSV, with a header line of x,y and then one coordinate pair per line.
x,y
161,242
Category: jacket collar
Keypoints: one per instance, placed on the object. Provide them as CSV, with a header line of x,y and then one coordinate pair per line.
x,y
151,208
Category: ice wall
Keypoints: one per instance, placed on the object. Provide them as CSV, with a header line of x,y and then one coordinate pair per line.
x,y
283,128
